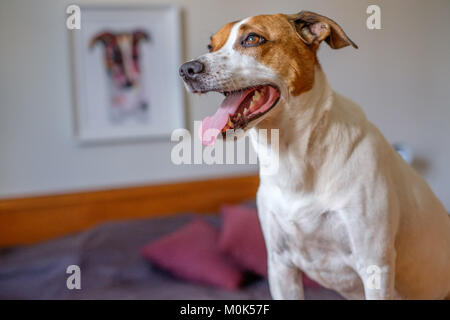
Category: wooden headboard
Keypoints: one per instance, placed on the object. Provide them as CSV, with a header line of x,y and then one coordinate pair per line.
x,y
32,219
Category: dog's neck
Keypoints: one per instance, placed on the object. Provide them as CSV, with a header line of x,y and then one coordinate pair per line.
x,y
298,120
296,116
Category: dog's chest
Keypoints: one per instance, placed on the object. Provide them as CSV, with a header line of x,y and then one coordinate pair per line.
x,y
313,239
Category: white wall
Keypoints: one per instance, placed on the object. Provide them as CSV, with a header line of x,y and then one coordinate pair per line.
x,y
400,76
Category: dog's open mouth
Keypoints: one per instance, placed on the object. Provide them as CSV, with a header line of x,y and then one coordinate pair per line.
x,y
238,109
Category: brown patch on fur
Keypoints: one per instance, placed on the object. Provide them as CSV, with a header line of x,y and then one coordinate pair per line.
x,y
284,52
219,39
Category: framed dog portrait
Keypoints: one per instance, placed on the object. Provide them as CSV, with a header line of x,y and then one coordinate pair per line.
x,y
126,73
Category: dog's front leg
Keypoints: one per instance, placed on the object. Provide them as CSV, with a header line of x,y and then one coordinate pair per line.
x,y
374,250
378,277
285,281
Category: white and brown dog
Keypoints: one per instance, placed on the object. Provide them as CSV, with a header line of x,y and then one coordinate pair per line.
x,y
343,207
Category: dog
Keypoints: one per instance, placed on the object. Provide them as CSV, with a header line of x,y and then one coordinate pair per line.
x,y
121,59
344,207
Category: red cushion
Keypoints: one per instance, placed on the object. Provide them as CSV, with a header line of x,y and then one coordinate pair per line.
x,y
243,240
192,253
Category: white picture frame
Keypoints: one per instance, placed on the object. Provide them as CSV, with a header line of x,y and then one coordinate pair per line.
x,y
114,99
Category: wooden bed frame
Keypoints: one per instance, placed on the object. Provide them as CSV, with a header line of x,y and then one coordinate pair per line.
x,y
32,219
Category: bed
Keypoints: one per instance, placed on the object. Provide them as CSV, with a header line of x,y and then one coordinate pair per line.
x,y
111,266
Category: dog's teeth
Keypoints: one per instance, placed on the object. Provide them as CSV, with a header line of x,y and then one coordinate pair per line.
x,y
238,116
227,126
256,96
245,111
230,124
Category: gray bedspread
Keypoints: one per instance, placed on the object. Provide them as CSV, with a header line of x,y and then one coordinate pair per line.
x,y
111,267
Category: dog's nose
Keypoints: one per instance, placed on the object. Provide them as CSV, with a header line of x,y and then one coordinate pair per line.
x,y
191,69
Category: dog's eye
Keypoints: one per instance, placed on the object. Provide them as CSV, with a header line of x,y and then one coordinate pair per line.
x,y
253,40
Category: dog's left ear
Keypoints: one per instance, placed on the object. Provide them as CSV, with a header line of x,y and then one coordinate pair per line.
x,y
313,28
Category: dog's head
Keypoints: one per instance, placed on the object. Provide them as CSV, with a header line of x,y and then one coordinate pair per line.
x,y
121,56
257,63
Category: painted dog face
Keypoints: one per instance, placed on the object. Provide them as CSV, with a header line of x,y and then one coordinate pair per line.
x,y
121,56
258,63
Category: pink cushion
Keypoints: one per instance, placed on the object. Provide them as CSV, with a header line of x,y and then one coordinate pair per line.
x,y
243,240
192,253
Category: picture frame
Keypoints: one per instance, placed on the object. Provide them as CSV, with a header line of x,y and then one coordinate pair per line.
x,y
125,67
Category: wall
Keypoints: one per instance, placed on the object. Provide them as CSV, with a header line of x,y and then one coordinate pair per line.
x,y
400,76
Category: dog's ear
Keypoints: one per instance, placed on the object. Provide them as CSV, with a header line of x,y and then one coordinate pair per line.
x,y
313,28
139,35
103,37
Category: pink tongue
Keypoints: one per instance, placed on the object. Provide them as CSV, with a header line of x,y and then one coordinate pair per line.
x,y
212,126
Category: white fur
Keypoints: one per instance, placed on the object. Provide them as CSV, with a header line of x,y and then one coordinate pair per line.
x,y
346,201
